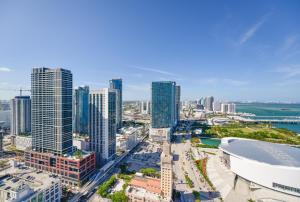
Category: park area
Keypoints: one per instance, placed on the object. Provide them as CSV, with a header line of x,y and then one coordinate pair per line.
x,y
263,132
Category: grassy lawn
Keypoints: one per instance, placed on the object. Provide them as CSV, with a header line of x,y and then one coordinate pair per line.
x,y
255,131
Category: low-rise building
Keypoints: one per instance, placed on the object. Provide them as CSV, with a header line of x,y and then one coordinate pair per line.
x,y
128,139
74,169
160,134
29,185
81,143
144,189
22,142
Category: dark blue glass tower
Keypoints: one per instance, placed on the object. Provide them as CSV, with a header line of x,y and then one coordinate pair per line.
x,y
163,109
81,109
117,85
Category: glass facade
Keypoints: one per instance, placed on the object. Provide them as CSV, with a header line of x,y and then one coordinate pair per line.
x,y
81,109
163,109
102,124
117,85
20,115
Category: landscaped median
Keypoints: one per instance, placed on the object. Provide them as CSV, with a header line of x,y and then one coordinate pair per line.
x,y
189,181
201,165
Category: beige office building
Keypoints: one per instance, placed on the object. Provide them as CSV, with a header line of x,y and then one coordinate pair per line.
x,y
166,159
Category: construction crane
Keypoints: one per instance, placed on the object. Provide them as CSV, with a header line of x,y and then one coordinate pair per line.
x,y
21,90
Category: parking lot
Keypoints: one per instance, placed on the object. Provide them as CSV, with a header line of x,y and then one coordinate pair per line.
x,y
148,156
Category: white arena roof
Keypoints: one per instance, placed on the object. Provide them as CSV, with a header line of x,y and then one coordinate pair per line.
x,y
264,152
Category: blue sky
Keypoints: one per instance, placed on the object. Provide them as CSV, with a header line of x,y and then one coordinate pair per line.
x,y
234,50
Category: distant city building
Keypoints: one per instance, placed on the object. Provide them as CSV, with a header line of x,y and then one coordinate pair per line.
x,y
177,102
217,106
163,108
145,107
20,115
231,108
117,85
228,108
102,124
81,109
1,141
30,186
224,108
166,160
208,103
51,94
201,101
4,105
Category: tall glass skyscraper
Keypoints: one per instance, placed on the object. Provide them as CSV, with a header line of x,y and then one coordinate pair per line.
x,y
102,124
117,85
51,117
163,109
81,109
177,102
20,115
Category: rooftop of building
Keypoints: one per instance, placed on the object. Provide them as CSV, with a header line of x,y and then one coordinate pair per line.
x,y
142,193
74,155
264,152
20,178
147,183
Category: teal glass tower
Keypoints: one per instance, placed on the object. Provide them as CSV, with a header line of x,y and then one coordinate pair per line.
x,y
81,109
163,108
116,84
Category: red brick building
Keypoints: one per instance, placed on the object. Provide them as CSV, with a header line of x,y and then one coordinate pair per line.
x,y
73,171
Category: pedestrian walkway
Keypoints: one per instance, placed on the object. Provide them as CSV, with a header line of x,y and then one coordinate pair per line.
x,y
220,176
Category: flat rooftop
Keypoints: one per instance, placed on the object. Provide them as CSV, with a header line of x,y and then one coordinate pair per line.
x,y
149,184
265,152
26,177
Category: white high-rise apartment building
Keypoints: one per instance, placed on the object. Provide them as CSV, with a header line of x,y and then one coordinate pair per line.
x,y
224,108
208,103
231,108
102,124
228,108
217,106
145,107
166,161
20,115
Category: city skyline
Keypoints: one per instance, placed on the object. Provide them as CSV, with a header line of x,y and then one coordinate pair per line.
x,y
235,51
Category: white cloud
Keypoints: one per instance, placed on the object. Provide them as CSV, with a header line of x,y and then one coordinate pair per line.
x,y
253,29
154,70
289,42
289,71
5,69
